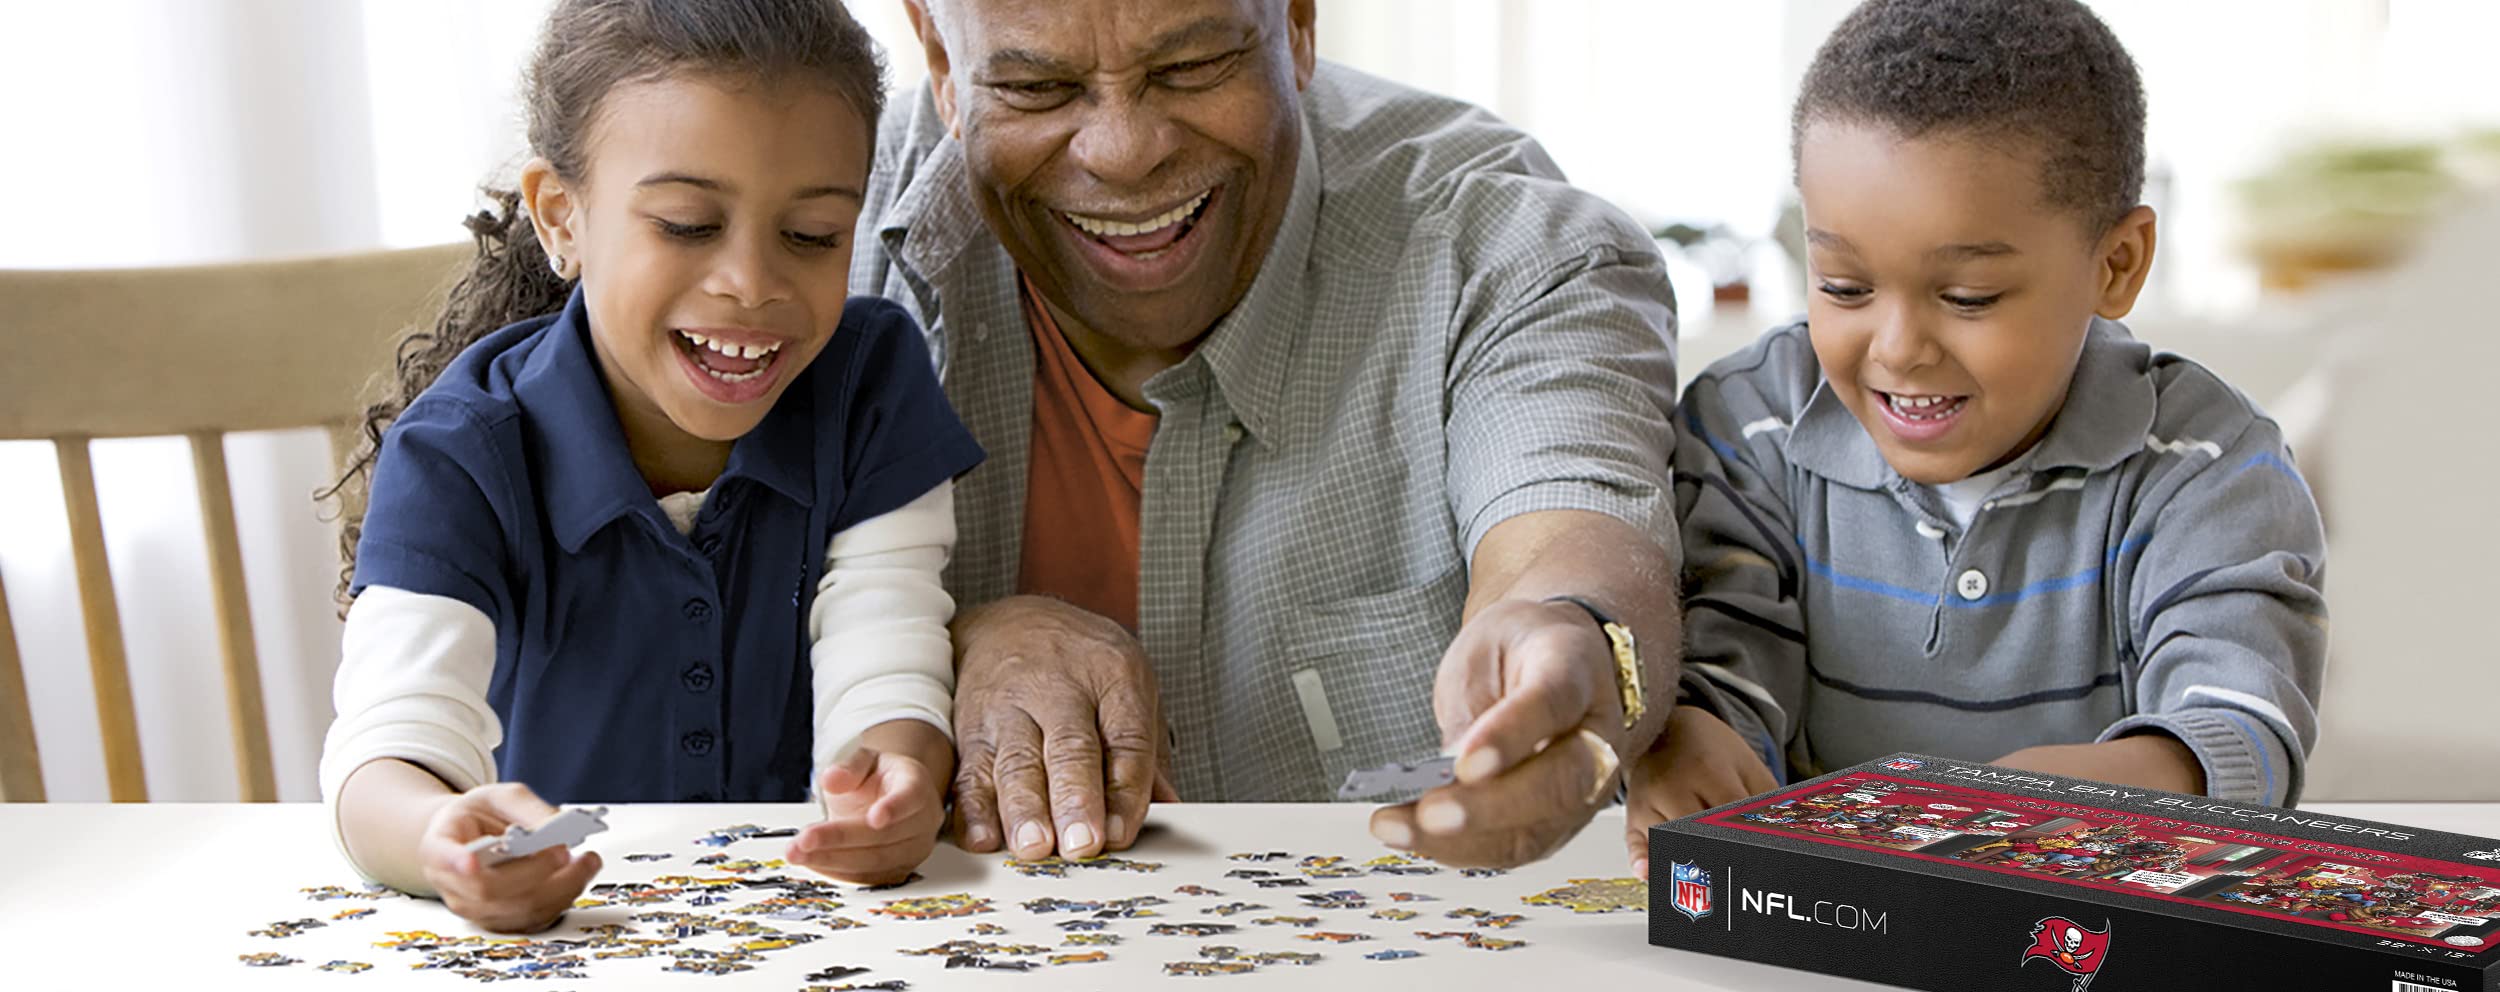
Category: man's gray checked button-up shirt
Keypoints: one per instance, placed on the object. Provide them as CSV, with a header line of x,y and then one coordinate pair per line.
x,y
1444,335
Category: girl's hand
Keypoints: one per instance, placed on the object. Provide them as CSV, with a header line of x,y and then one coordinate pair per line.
x,y
524,895
882,814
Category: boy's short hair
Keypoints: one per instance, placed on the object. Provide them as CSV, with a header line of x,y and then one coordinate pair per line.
x,y
2045,71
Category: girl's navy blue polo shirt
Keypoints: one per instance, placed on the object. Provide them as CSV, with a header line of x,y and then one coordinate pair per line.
x,y
633,663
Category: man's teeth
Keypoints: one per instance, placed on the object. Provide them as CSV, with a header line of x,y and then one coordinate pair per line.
x,y
1101,228
728,350
1923,407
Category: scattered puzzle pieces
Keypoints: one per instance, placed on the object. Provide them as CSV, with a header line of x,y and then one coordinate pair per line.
x,y
1472,938
726,836
955,948
1596,895
1059,867
288,928
935,907
1200,969
1191,929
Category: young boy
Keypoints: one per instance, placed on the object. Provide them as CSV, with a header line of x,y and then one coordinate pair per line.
x,y
1960,510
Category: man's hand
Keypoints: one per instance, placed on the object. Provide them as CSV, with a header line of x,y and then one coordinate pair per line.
x,y
1526,699
523,895
1698,763
1057,723
883,806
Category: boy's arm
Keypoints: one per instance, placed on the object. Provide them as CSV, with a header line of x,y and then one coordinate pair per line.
x,y
880,651
1742,685
2228,611
1744,627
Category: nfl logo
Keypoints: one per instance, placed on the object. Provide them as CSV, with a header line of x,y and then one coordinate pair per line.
x,y
1905,764
1692,890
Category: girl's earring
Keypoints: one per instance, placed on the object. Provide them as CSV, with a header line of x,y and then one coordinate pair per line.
x,y
556,264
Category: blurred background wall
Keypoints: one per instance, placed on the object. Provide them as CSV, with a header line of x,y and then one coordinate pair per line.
x,y
2316,163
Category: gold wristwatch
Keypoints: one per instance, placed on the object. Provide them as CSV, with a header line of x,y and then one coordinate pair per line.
x,y
1627,658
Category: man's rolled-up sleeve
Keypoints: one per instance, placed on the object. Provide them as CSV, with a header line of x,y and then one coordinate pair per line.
x,y
1563,399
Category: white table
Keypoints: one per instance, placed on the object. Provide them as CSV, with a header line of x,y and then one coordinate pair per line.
x,y
161,895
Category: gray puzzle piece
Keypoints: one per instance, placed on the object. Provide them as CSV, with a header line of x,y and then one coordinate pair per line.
x,y
1399,776
568,827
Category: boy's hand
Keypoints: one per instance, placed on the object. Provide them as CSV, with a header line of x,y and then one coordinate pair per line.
x,y
523,895
882,814
2149,760
1698,763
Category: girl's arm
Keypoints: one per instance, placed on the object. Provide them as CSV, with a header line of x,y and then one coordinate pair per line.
x,y
884,682
409,772
881,652
413,727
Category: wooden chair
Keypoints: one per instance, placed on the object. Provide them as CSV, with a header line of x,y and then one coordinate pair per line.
x,y
198,352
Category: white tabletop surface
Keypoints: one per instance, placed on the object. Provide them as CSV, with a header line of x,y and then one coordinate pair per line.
x,y
163,895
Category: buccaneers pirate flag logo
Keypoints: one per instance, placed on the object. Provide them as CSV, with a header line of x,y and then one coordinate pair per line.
x,y
2073,949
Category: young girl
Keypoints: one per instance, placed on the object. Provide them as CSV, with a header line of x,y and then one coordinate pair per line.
x,y
673,532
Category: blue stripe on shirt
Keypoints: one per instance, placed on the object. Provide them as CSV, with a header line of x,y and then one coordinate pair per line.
x,y
2272,461
2265,765
2077,580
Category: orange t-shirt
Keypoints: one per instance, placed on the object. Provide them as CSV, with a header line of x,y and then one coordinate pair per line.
x,y
1084,482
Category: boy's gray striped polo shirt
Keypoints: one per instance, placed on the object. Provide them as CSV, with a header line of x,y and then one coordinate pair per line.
x,y
2157,565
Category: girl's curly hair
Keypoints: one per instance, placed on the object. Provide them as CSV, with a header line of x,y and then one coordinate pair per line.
x,y
587,49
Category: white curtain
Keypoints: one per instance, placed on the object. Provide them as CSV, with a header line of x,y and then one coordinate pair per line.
x,y
163,131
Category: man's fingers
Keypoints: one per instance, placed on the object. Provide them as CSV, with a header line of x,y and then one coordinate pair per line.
x,y
1165,791
1072,761
1023,786
975,825
1468,681
1513,818
1395,826
1546,699
1132,743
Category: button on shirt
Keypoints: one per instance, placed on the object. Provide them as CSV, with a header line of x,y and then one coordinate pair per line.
x,y
635,663
1443,335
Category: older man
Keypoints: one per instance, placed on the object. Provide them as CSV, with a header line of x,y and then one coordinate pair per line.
x,y
1326,423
